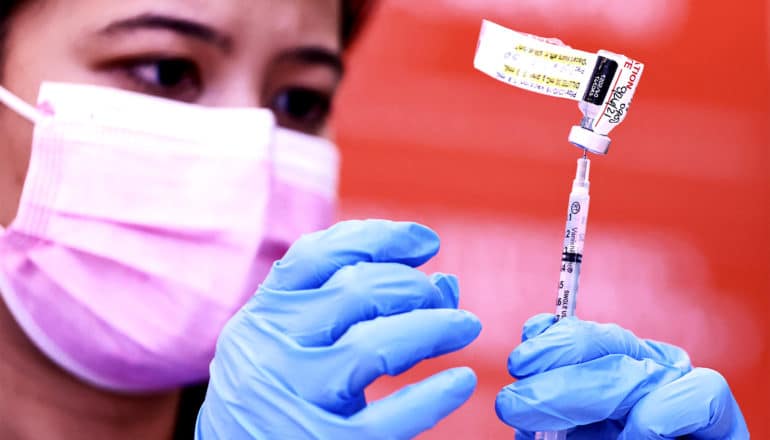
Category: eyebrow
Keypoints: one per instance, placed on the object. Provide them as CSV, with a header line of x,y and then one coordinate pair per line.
x,y
307,55
178,25
313,55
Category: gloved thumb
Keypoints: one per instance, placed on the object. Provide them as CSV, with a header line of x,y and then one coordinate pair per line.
x,y
537,325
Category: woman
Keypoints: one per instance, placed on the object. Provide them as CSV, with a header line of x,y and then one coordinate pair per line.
x,y
176,150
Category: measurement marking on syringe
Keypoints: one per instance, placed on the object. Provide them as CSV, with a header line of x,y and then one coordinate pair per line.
x,y
571,257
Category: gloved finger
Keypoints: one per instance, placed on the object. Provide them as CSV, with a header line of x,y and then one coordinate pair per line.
x,y
537,325
389,346
353,294
418,407
576,395
449,286
571,341
315,257
384,289
698,405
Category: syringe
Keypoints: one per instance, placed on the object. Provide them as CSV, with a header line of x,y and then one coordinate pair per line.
x,y
603,83
572,256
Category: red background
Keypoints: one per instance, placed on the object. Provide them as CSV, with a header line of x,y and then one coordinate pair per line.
x,y
678,244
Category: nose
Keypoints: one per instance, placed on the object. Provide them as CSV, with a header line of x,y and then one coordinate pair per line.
x,y
233,91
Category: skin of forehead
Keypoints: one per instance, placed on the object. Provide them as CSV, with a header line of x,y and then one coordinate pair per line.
x,y
253,24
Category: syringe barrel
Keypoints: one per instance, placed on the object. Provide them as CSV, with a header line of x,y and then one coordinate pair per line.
x,y
574,239
572,257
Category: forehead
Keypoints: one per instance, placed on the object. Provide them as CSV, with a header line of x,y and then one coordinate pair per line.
x,y
248,23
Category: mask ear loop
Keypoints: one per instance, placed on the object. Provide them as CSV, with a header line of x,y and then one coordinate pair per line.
x,y
24,109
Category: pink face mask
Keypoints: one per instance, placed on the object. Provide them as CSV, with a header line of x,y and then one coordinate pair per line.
x,y
144,224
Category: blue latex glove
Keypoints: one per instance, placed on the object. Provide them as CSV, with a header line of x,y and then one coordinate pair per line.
x,y
343,307
600,381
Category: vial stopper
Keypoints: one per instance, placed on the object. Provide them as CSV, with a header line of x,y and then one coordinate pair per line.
x,y
588,140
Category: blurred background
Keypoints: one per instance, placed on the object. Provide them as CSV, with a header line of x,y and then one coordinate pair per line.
x,y
678,244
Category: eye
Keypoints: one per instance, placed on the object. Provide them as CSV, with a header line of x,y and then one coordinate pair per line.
x,y
173,78
301,109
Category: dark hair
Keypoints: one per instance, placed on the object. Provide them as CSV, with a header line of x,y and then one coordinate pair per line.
x,y
354,16
7,8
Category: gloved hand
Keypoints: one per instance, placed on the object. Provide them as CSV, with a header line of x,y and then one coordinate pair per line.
x,y
600,381
343,307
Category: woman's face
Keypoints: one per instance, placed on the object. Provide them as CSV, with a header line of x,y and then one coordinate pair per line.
x,y
280,54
